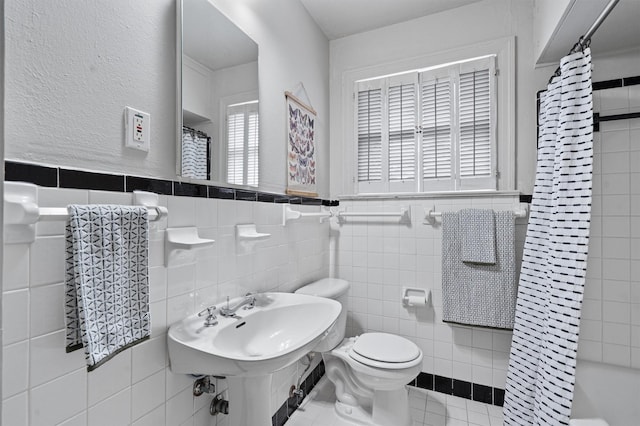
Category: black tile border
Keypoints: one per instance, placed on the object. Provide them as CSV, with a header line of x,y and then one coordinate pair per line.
x,y
24,172
136,183
459,388
60,177
78,179
291,404
618,82
524,198
441,384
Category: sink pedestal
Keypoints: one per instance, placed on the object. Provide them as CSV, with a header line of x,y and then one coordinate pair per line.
x,y
250,400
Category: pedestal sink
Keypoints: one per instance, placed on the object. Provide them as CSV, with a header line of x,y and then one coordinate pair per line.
x,y
279,330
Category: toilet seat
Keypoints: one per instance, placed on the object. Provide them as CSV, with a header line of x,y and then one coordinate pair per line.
x,y
383,350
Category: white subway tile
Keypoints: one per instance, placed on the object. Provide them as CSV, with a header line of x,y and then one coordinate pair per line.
x,y
154,418
15,273
619,334
47,309
15,369
148,357
180,407
115,410
15,410
49,360
616,354
15,316
110,378
60,399
47,263
147,395
182,212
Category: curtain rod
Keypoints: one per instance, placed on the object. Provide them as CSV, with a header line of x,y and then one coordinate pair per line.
x,y
585,40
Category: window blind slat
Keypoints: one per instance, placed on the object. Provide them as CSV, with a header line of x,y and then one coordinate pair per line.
x,y
436,129
475,124
370,135
402,113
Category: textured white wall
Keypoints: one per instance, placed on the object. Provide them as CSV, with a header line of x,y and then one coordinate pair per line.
x,y
72,67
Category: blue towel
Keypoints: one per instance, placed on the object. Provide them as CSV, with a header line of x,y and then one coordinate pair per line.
x,y
107,280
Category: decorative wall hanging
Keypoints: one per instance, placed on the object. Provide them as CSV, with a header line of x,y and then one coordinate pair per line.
x,y
301,147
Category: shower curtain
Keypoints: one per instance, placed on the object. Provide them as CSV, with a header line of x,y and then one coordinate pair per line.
x,y
195,151
541,375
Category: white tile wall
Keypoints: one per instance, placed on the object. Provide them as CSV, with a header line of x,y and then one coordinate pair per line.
x,y
43,385
380,256
611,313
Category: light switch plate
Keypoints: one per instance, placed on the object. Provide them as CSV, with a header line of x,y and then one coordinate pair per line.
x,y
137,129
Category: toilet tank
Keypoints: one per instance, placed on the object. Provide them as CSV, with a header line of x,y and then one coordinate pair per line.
x,y
336,289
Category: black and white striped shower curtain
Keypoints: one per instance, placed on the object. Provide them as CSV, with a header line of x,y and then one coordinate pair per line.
x,y
541,376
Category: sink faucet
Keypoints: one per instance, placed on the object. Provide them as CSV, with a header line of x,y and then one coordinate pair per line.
x,y
230,311
211,319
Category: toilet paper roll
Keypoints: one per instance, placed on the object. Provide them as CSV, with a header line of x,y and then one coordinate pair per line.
x,y
416,300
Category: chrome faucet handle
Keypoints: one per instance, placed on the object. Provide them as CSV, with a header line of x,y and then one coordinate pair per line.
x,y
211,318
252,302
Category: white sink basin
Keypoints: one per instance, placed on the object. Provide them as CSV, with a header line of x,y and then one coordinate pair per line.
x,y
278,331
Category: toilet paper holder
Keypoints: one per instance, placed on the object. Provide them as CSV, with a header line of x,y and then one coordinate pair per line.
x,y
415,297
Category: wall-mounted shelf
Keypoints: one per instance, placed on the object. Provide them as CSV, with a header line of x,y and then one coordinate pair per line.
x,y
248,232
182,239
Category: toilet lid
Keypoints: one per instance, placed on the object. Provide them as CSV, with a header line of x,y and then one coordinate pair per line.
x,y
387,348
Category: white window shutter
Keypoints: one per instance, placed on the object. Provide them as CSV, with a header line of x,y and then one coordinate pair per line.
x,y
235,148
243,143
476,122
432,130
402,133
437,115
253,170
369,135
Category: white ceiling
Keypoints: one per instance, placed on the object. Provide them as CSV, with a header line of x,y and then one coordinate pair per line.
x,y
339,18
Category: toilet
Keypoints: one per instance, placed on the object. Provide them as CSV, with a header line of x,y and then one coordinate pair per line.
x,y
369,371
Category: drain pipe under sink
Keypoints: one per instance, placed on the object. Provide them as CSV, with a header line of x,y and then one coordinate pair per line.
x,y
295,390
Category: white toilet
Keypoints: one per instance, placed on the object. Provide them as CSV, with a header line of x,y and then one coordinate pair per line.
x,y
369,371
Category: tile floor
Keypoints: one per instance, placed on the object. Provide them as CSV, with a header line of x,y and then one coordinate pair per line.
x,y
427,408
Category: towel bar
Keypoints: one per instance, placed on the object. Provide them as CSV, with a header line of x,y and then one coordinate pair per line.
x,y
52,214
402,214
22,212
289,214
432,214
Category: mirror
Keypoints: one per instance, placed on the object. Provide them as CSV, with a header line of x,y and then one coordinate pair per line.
x,y
217,98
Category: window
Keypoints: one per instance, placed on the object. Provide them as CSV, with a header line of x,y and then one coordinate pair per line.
x,y
428,130
242,144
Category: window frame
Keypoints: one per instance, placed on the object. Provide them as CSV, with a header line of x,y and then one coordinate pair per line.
x,y
505,165
415,83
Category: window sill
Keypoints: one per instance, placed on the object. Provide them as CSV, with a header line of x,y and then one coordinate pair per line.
x,y
428,195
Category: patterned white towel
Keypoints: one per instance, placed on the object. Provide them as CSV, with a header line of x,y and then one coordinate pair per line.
x,y
474,293
107,284
478,233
